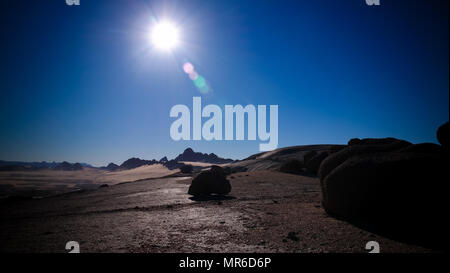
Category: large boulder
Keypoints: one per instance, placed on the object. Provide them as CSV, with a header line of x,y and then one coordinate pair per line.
x,y
213,181
360,147
391,184
384,184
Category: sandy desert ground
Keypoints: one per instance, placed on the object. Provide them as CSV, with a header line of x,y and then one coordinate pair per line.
x,y
42,183
266,212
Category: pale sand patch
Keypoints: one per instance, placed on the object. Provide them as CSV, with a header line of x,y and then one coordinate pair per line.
x,y
49,182
143,172
202,164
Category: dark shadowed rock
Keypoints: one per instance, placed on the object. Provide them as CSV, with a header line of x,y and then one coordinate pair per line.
x,y
212,181
308,156
443,134
354,141
395,189
363,146
372,141
385,184
312,165
293,166
186,168
427,148
173,164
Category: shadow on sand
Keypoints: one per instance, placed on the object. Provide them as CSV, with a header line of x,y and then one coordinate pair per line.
x,y
417,233
212,197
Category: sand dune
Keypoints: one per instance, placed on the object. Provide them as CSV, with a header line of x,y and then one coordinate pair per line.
x,y
49,182
143,172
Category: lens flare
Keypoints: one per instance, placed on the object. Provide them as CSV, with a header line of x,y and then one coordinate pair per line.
x,y
188,68
199,81
193,75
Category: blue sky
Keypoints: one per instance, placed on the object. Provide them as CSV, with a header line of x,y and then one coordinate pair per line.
x,y
83,84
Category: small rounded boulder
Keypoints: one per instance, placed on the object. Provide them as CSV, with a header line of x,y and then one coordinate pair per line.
x,y
213,181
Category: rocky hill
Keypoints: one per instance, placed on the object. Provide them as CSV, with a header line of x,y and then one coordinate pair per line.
x,y
190,155
66,166
187,155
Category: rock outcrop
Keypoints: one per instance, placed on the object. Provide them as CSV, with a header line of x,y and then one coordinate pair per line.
x,y
389,183
190,155
359,147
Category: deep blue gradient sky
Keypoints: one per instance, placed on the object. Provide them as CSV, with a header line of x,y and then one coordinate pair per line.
x,y
82,83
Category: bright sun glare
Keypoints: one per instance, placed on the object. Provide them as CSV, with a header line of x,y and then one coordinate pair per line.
x,y
164,36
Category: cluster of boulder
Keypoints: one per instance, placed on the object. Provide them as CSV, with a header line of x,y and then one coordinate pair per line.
x,y
212,181
390,183
309,166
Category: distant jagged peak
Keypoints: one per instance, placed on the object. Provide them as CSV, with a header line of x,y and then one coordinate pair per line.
x,y
190,155
66,166
163,160
188,151
111,167
135,162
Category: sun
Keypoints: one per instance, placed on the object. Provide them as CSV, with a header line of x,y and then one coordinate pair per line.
x,y
165,35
